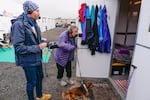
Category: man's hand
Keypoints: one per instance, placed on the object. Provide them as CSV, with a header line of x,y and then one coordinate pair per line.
x,y
42,45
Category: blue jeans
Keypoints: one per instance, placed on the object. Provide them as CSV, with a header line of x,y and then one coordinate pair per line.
x,y
34,76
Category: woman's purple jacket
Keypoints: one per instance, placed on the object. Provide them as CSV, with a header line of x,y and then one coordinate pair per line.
x,y
62,53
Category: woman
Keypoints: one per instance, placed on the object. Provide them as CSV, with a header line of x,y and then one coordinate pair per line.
x,y
65,54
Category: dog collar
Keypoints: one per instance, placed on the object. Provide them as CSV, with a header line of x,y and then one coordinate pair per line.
x,y
85,87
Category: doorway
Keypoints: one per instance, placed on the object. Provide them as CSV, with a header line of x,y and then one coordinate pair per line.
x,y
124,42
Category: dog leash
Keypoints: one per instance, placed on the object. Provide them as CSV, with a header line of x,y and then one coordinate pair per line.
x,y
79,69
82,81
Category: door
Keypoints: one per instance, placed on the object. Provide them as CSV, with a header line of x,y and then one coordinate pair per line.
x,y
139,88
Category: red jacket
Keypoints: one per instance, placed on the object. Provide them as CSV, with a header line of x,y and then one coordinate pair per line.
x,y
82,12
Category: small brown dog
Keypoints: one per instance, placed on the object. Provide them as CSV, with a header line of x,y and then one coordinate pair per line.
x,y
81,91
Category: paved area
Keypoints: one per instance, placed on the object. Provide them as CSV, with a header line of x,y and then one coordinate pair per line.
x,y
12,80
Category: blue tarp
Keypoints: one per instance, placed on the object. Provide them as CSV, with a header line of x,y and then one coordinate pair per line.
x,y
7,55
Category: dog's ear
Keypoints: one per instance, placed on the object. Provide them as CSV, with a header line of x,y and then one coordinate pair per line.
x,y
89,84
65,95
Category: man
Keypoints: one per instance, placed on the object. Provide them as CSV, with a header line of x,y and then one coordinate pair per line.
x,y
26,37
65,54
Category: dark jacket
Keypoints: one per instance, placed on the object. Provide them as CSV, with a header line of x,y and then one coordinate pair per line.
x,y
95,27
92,15
26,44
93,42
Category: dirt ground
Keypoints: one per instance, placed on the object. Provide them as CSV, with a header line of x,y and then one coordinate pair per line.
x,y
12,79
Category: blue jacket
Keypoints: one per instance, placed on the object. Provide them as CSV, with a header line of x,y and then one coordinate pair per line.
x,y
106,41
88,15
26,44
92,15
99,22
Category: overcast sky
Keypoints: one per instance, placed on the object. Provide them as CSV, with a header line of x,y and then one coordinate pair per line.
x,y
48,8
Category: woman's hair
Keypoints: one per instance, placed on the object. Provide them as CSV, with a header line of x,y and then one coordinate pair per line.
x,y
71,27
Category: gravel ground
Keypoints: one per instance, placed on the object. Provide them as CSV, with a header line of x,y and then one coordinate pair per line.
x,y
12,80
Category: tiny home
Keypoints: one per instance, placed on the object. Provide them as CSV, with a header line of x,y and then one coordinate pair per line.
x,y
126,64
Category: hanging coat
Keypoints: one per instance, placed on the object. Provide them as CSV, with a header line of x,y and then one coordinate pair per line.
x,y
92,15
82,12
106,41
87,27
93,40
99,23
82,19
95,28
88,23
88,15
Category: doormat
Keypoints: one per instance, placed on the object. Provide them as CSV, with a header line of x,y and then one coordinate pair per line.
x,y
7,55
122,84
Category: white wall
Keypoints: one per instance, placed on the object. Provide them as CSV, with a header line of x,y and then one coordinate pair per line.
x,y
139,87
97,66
144,25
